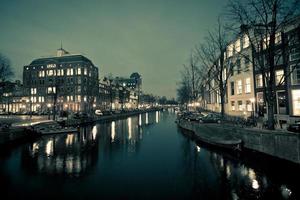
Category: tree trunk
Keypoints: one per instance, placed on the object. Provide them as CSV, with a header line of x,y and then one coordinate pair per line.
x,y
271,120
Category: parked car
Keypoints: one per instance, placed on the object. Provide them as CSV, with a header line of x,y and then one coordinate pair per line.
x,y
294,127
98,112
210,118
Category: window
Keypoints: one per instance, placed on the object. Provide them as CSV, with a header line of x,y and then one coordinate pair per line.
x,y
233,105
247,63
277,38
238,66
85,71
240,105
70,72
259,81
296,102
232,88
78,98
85,99
248,105
60,72
247,85
239,87
281,102
296,74
41,99
295,54
42,73
238,45
246,41
33,99
78,71
279,78
33,90
50,72
230,50
51,90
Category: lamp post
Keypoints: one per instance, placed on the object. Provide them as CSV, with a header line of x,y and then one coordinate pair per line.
x,y
252,103
48,110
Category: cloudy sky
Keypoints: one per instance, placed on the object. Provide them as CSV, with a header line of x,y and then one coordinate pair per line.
x,y
152,37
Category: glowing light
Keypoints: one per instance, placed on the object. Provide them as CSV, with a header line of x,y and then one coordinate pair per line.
x,y
147,120
255,184
129,128
94,132
35,148
113,130
228,171
285,192
157,116
140,119
198,148
252,100
49,148
69,139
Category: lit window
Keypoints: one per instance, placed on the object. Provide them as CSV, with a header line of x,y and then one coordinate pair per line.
x,y
69,71
233,106
230,50
259,81
277,38
84,98
41,99
238,45
239,87
42,73
247,85
240,105
78,71
248,105
279,77
78,98
33,90
296,102
51,90
85,71
246,41
50,72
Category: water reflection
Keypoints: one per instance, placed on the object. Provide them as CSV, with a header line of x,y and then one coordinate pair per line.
x,y
70,154
235,180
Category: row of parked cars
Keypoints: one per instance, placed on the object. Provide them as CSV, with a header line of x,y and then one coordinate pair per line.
x,y
200,117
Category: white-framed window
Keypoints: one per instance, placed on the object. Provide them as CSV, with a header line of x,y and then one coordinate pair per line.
x,y
246,41
70,72
248,105
240,105
230,50
296,102
42,73
50,72
279,76
238,45
295,54
295,74
239,87
33,91
259,80
247,85
41,99
51,90
233,105
278,38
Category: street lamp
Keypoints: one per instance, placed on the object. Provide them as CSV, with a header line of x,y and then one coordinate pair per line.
x,y
48,106
252,103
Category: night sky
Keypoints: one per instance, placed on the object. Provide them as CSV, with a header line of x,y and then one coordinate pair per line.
x,y
151,37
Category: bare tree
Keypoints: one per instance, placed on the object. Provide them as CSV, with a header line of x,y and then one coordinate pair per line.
x,y
264,22
5,68
214,68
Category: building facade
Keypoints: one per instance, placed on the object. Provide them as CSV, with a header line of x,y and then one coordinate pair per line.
x,y
65,82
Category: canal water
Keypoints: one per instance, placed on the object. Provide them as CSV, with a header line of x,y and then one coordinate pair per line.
x,y
141,157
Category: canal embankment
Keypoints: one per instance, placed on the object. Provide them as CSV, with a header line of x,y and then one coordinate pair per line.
x,y
280,144
15,135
